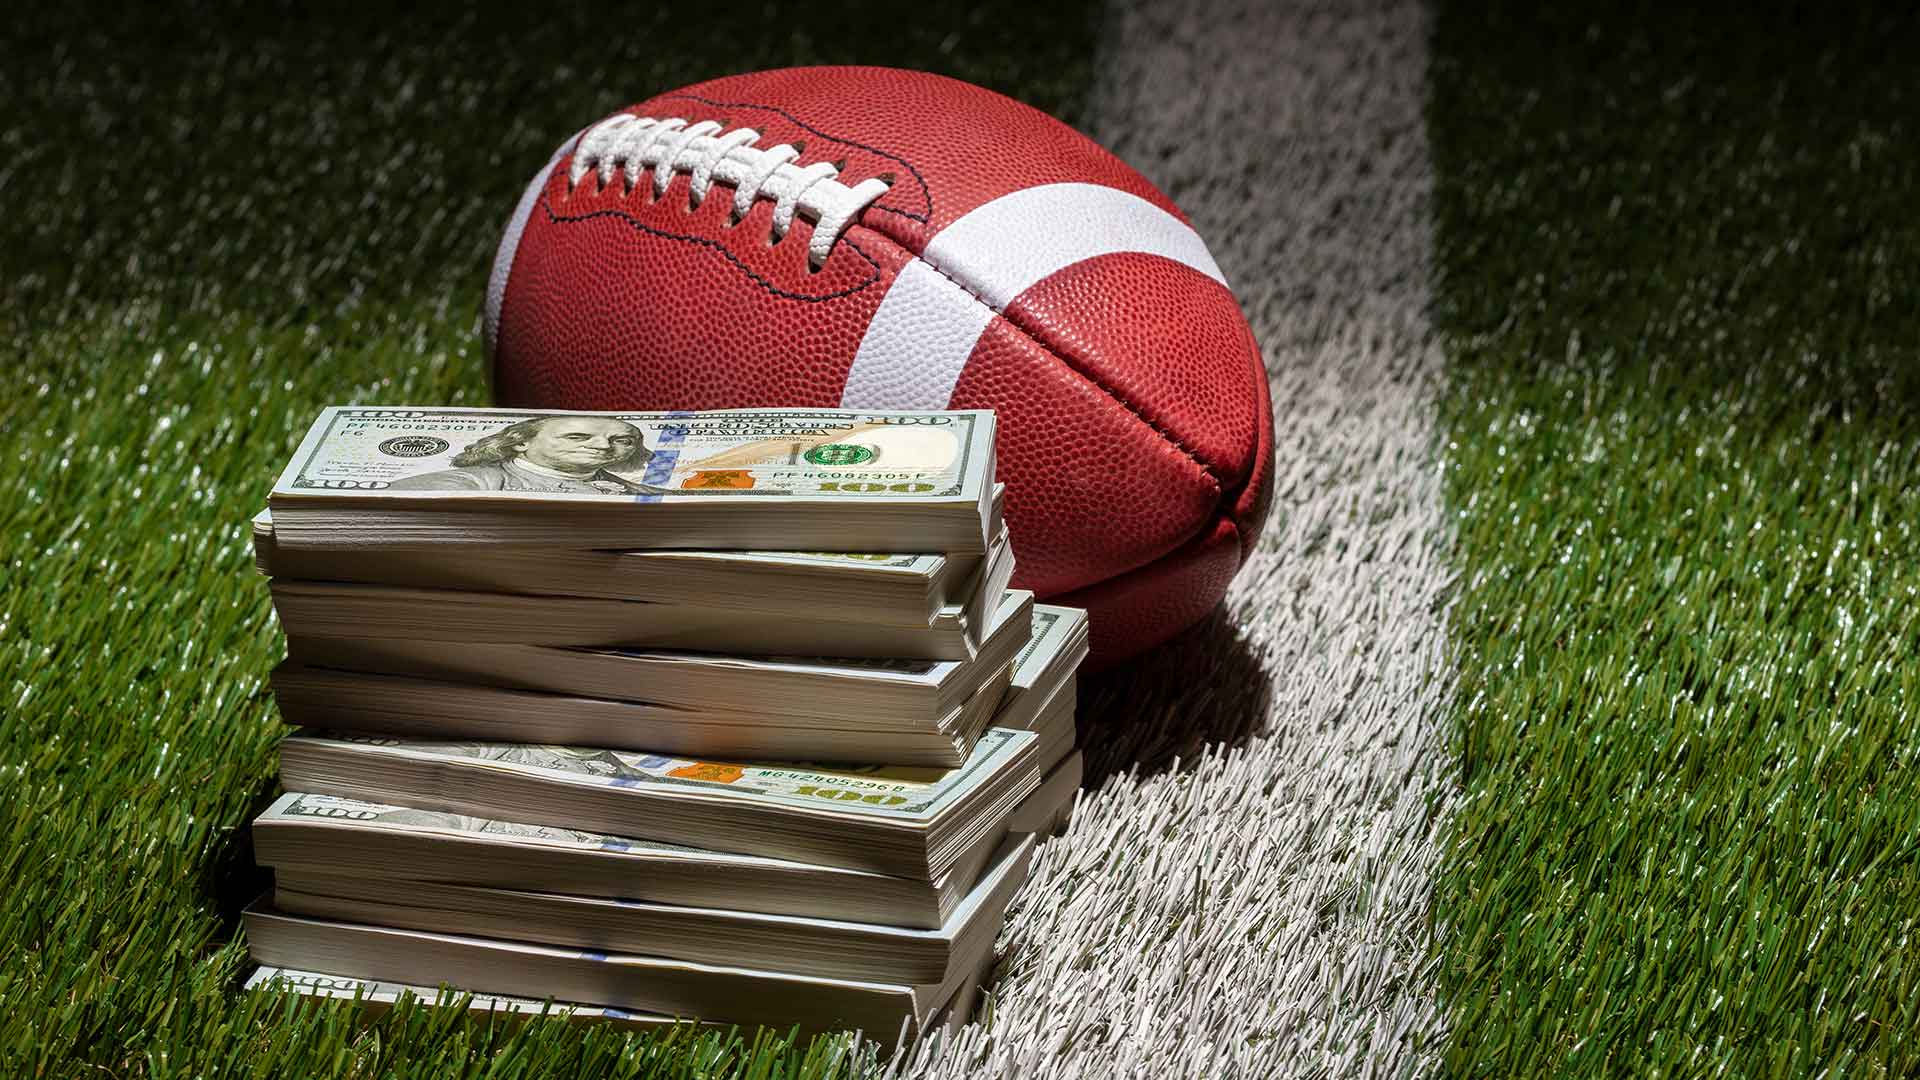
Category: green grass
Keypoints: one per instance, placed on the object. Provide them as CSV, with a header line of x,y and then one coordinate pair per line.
x,y
217,224
1679,263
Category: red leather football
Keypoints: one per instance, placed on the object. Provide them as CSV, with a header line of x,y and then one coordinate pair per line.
x,y
874,238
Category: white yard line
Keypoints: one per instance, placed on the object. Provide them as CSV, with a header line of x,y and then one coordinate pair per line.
x,y
1262,908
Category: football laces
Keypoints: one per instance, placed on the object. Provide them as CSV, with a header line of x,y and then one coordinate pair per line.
x,y
709,153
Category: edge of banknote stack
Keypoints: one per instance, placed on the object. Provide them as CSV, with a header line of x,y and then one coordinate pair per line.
x,y
574,738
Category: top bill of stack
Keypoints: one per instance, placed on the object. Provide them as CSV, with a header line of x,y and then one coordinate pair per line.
x,y
789,479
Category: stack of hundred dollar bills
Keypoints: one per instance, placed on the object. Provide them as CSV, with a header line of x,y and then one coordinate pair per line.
x,y
643,717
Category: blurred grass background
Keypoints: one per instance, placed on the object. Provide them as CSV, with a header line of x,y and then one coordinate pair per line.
x,y
1679,265
220,219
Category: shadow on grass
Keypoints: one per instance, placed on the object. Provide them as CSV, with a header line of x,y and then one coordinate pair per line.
x,y
231,880
1203,687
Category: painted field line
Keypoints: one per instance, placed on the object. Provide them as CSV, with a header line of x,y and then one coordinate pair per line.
x,y
1261,909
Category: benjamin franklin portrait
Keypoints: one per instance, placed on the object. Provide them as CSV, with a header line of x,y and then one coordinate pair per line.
x,y
576,454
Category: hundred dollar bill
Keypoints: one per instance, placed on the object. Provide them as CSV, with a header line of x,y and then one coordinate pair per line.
x,y
913,822
749,479
376,996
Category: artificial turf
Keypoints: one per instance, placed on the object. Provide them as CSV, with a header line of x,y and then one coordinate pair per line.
x,y
1679,264
220,220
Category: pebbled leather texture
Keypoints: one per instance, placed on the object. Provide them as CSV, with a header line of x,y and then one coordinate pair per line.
x,y
1135,428
1174,591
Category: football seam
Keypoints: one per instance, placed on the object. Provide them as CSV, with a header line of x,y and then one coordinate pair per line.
x,y
1120,579
926,192
546,206
1213,477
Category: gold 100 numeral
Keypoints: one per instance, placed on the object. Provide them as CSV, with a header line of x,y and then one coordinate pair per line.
x,y
857,487
870,798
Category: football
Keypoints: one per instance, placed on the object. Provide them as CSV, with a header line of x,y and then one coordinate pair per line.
x,y
876,238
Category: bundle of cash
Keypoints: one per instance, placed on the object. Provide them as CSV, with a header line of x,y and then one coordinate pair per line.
x,y
462,705
826,947
929,606
627,982
586,726
735,480
902,820
902,590
904,711
377,996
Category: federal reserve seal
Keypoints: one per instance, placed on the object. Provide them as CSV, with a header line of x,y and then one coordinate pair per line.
x,y
414,446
